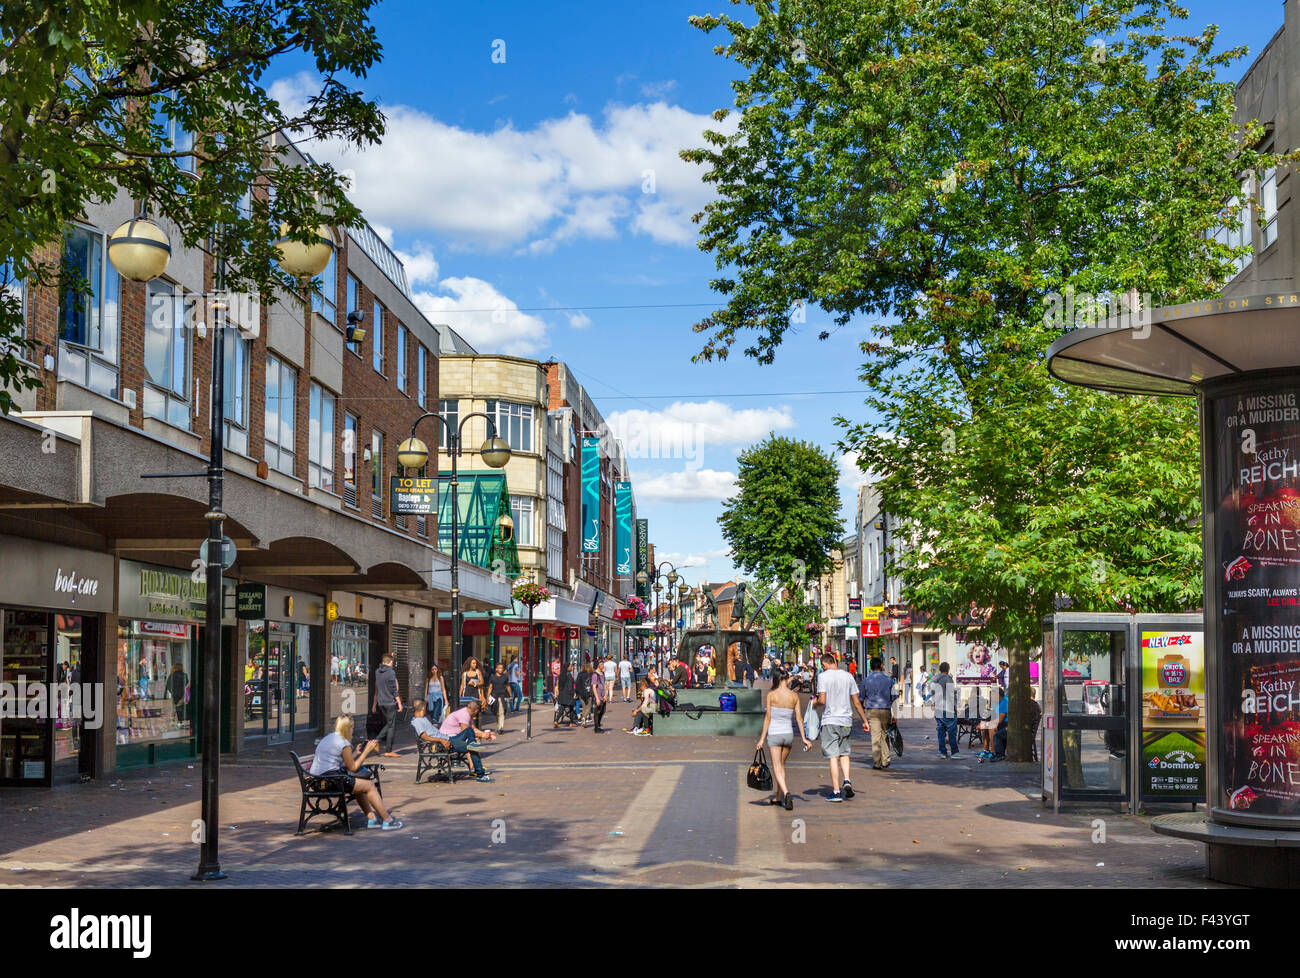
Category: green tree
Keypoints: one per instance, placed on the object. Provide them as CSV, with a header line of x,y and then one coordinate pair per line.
x,y
787,622
784,520
951,172
89,90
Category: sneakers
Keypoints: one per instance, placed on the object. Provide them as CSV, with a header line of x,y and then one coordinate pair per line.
x,y
943,755
847,789
956,753
835,796
372,823
391,824
986,754
484,778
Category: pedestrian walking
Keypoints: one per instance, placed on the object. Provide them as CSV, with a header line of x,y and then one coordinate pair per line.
x,y
923,685
499,695
583,686
387,702
515,674
433,694
609,672
471,683
565,697
835,695
878,697
599,697
555,678
945,711
625,677
767,666
907,683
783,717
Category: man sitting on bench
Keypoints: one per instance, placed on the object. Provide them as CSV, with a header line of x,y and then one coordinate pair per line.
x,y
460,732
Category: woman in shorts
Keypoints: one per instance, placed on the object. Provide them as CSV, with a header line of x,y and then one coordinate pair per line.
x,y
783,717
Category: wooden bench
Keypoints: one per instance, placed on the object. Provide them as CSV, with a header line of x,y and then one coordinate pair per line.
x,y
327,795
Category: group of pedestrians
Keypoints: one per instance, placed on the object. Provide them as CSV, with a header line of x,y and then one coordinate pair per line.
x,y
839,698
581,700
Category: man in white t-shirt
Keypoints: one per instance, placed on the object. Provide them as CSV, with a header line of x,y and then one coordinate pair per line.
x,y
610,668
625,678
837,696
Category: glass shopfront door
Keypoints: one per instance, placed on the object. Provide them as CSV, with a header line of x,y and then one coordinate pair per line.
x,y
273,677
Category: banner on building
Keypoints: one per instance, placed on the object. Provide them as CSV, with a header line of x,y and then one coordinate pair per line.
x,y
643,557
591,495
623,529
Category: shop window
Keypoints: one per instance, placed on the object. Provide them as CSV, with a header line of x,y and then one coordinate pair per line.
x,y
281,389
401,358
350,459
235,390
377,475
166,355
320,439
353,300
377,346
1268,207
155,668
521,511
324,296
421,374
89,322
514,423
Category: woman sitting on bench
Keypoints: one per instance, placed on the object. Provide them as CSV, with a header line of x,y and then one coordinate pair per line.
x,y
334,756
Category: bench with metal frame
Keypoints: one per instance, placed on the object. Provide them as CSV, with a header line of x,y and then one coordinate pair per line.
x,y
327,795
442,761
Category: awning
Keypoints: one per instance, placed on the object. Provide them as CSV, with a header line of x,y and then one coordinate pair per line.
x,y
1178,348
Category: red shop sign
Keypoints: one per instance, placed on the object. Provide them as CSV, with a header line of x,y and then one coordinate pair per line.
x,y
511,629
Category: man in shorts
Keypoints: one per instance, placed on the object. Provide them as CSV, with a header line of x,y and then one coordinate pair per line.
x,y
836,694
625,677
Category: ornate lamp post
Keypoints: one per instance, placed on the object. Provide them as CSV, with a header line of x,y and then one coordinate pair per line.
x,y
414,454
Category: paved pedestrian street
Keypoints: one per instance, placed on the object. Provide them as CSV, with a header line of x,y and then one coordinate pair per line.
x,y
570,808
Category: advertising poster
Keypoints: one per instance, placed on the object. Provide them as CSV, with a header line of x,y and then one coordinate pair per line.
x,y
591,495
1257,528
1173,716
623,529
977,664
643,557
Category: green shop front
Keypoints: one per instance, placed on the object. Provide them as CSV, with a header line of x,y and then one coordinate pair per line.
x,y
160,671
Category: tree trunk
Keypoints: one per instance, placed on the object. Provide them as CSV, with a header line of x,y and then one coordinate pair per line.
x,y
1019,722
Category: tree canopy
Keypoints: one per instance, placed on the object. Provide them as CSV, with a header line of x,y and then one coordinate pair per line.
x,y
784,519
946,173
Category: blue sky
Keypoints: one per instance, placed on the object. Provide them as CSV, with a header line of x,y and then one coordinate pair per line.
x,y
546,186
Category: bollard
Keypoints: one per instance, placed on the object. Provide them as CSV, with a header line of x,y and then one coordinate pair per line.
x,y
530,718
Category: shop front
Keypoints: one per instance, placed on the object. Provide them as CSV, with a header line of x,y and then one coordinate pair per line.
x,y
283,661
52,705
411,646
160,672
355,645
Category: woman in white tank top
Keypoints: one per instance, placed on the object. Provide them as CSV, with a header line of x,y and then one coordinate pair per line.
x,y
783,718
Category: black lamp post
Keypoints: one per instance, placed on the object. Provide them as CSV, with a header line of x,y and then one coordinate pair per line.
x,y
414,454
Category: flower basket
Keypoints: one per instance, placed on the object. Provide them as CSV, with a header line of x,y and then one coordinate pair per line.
x,y
529,592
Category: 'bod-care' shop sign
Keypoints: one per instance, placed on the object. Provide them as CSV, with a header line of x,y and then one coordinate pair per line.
x,y
1257,525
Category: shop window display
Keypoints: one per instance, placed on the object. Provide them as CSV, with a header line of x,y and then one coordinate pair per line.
x,y
154,672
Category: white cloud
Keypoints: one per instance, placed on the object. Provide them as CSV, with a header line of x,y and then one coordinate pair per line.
x,y
658,90
850,475
565,179
579,320
689,485
502,330
684,428
421,266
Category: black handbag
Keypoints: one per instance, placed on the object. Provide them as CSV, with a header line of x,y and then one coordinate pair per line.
x,y
894,737
760,775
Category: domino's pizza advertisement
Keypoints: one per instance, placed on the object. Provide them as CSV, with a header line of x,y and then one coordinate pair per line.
x,y
1173,715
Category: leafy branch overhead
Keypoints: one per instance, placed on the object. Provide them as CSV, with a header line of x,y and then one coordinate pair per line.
x,y
92,94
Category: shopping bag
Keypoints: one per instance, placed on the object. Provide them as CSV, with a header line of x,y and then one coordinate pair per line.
x,y
812,723
894,737
760,776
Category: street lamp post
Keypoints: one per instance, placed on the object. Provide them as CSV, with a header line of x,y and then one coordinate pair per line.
x,y
414,454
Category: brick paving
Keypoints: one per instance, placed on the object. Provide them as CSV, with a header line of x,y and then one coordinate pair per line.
x,y
572,809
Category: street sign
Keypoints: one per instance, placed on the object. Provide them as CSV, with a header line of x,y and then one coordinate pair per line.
x,y
414,496
873,611
855,604
621,614
228,552
871,629
250,602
